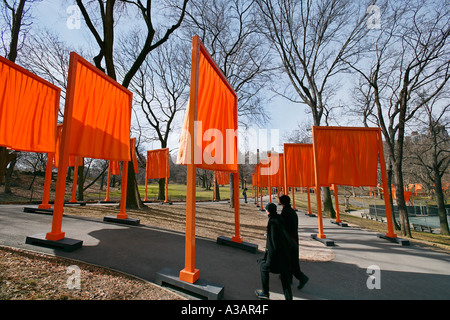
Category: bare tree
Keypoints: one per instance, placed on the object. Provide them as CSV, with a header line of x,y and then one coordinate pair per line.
x,y
431,153
107,10
161,90
228,29
312,40
17,21
409,66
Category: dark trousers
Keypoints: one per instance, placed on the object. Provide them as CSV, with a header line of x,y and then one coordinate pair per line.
x,y
285,282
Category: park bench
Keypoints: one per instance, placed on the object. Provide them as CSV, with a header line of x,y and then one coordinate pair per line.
x,y
422,228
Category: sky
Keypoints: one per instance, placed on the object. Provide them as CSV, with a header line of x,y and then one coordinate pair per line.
x,y
60,17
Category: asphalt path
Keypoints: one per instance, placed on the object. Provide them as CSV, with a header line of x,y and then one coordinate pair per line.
x,y
365,267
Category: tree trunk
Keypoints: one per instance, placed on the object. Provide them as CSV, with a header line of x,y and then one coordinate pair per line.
x,y
80,183
389,193
8,175
327,202
443,222
217,191
232,190
401,204
162,189
133,198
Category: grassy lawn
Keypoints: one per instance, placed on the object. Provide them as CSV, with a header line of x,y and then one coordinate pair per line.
x,y
177,192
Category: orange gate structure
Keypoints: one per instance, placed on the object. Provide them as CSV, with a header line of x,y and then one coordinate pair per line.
x,y
96,124
28,114
349,156
113,169
158,168
208,141
298,168
220,178
262,181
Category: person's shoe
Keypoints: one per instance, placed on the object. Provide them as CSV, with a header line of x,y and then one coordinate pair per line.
x,y
261,295
304,279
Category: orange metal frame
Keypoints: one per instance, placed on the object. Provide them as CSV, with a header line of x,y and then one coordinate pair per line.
x,y
56,232
189,273
286,175
46,83
315,129
166,200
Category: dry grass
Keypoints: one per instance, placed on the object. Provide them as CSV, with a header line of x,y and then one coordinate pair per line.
x,y
33,276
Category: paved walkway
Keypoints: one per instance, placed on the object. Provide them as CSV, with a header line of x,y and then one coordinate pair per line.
x,y
405,272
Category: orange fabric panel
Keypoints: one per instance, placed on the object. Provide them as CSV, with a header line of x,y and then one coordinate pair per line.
x,y
100,113
28,110
346,156
58,144
407,195
158,163
115,167
222,177
216,112
262,174
133,155
276,170
299,164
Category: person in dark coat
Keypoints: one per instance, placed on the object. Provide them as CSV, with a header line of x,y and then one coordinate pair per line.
x,y
291,224
277,256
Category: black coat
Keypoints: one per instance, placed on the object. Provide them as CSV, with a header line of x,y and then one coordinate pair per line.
x,y
290,221
291,224
279,246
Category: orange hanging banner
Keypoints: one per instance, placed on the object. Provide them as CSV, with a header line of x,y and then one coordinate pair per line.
x,y
348,156
100,116
299,165
158,163
96,124
208,139
222,178
28,110
157,168
215,129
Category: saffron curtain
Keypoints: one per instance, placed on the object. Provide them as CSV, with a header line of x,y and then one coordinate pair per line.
x,y
222,177
216,121
346,155
299,165
28,110
101,114
158,163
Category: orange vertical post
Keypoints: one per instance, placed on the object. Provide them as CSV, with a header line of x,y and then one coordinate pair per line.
x,y
189,273
387,203
74,181
261,195
320,234
58,207
146,184
237,230
336,201
123,192
108,183
257,195
293,198
47,182
215,186
309,201
167,190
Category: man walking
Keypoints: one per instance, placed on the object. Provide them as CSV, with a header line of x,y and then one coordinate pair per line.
x,y
291,223
277,256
